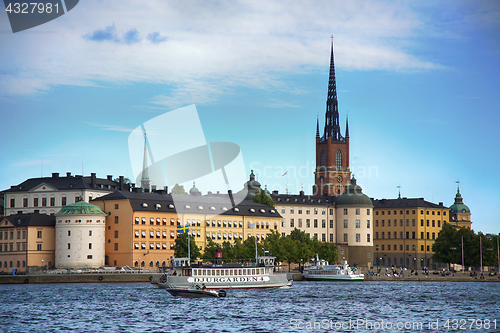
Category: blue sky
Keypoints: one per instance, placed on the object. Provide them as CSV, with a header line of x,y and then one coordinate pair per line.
x,y
418,79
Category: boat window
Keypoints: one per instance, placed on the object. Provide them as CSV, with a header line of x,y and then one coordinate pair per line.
x,y
227,272
253,271
218,272
195,272
244,271
231,272
222,272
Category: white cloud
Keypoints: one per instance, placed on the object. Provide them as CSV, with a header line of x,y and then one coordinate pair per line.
x,y
207,47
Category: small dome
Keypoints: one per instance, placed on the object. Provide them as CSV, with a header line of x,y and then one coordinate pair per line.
x,y
459,207
81,208
354,196
194,190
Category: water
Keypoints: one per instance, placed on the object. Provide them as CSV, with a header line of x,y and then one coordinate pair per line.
x,y
307,306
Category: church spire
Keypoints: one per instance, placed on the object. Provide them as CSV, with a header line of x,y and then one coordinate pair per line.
x,y
317,127
346,127
145,173
332,127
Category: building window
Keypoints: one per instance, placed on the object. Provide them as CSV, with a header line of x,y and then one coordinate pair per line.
x,y
44,201
358,224
323,158
433,223
323,223
383,235
428,248
300,210
39,247
388,223
25,202
383,247
69,246
376,235
331,238
368,224
116,246
331,223
292,210
345,223
116,219
345,211
52,202
358,211
300,223
358,238
283,210
433,235
77,198
345,238
368,238
292,223
39,234
315,211
338,160
413,235
116,206
283,223
90,246
12,203
63,199
323,211
308,211
439,224
315,223
35,202
90,232
89,256
383,223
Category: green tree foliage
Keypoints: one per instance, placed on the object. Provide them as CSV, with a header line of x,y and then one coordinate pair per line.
x,y
178,189
263,198
448,247
181,248
209,253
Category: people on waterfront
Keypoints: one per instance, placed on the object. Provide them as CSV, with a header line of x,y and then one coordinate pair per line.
x,y
203,286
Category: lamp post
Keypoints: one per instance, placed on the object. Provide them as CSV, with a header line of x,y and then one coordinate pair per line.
x,y
414,247
42,265
376,248
453,248
139,265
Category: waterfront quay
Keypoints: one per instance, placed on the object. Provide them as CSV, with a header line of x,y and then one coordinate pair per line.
x,y
84,277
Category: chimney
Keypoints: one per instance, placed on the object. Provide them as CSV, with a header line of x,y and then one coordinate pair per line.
x,y
301,193
68,174
92,180
230,193
120,185
55,174
110,177
153,188
275,192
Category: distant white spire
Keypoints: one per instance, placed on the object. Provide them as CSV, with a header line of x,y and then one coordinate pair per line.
x,y
145,173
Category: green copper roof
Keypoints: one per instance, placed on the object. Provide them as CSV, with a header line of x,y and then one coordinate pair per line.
x,y
81,208
353,196
459,207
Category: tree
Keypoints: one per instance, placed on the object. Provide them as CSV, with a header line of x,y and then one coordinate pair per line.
x,y
209,253
178,189
181,248
328,251
445,245
126,180
263,198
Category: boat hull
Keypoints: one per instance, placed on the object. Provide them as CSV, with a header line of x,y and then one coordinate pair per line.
x,y
250,282
192,293
334,278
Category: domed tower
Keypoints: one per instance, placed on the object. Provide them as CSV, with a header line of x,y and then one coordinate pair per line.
x,y
194,191
459,212
354,214
252,187
80,236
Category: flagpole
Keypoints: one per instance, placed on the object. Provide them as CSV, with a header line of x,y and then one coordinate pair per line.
x,y
189,246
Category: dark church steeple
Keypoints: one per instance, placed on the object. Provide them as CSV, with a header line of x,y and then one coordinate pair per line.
x,y
332,126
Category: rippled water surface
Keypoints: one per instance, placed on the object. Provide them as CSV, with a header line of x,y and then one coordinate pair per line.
x,y
307,306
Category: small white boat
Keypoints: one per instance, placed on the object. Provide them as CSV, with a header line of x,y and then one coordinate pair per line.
x,y
195,292
322,271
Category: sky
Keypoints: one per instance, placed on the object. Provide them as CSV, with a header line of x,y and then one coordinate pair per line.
x,y
418,81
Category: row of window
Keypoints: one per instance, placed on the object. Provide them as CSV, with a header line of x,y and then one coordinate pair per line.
x,y
395,212
43,201
407,234
395,248
9,247
11,264
69,233
151,264
357,224
69,246
5,235
357,237
228,272
395,223
152,246
307,210
307,224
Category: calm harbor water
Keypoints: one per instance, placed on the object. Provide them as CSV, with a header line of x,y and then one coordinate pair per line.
x,y
307,306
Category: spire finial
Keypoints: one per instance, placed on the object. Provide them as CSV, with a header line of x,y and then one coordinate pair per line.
x,y
317,127
145,173
332,126
399,188
458,185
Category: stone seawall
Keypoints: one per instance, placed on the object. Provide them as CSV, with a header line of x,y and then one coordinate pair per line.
x,y
76,278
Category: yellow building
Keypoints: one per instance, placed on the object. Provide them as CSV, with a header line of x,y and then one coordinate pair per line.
x,y
404,231
142,227
26,240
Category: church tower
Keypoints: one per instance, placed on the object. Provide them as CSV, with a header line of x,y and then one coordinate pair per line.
x,y
332,172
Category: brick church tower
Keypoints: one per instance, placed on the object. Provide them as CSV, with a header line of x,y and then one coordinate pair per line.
x,y
332,172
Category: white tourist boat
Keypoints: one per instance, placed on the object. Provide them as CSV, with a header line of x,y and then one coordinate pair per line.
x,y
260,274
322,271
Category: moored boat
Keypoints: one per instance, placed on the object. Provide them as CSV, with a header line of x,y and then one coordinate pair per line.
x,y
195,292
259,274
323,271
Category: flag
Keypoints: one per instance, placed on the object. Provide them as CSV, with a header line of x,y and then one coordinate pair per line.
x,y
286,173
251,225
182,229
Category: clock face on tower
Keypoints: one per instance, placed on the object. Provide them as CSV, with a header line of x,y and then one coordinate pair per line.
x,y
339,179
